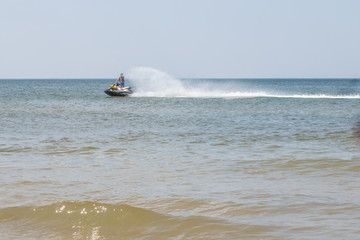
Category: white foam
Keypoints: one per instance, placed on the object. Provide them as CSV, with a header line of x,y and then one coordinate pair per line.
x,y
315,96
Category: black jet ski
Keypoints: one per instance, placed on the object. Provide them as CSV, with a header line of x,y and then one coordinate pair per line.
x,y
115,91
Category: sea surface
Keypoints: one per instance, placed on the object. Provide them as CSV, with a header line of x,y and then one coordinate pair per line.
x,y
180,158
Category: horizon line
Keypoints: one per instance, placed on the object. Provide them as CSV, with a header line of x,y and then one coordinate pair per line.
x,y
188,78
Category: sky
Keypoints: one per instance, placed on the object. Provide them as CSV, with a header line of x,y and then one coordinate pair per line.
x,y
185,38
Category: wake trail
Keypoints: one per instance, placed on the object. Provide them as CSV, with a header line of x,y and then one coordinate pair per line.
x,y
151,82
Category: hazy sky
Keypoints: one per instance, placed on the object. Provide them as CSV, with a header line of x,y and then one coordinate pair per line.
x,y
185,38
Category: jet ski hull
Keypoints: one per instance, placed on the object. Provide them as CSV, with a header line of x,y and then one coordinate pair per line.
x,y
117,92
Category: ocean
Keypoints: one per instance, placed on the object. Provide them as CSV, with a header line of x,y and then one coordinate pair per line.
x,y
180,158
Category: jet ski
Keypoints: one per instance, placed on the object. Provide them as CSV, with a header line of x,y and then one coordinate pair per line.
x,y
115,91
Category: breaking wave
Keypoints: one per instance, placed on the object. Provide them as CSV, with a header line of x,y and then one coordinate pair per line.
x,y
93,220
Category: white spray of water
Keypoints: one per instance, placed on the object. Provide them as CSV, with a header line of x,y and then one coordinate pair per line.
x,y
150,82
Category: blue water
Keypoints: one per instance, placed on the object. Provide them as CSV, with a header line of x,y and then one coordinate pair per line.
x,y
267,158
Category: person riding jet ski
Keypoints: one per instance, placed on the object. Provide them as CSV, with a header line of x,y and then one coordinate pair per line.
x,y
119,89
121,79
